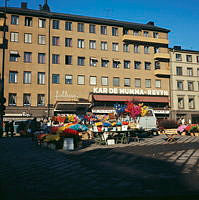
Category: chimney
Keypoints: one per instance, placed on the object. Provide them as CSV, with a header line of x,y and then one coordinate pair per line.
x,y
150,23
177,47
24,5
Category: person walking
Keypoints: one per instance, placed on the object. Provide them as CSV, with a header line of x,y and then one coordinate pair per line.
x,y
7,126
11,128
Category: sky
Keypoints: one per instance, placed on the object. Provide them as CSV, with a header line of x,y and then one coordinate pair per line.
x,y
179,16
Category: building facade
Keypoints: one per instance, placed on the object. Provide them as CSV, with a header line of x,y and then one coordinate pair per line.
x,y
185,84
61,63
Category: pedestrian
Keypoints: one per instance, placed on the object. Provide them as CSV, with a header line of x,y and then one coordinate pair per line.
x,y
11,128
7,125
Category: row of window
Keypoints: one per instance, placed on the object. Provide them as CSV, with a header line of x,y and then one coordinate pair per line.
x,y
27,79
189,58
190,85
181,103
28,21
189,72
12,99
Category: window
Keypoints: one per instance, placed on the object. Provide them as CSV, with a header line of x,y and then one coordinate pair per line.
x,y
179,71
55,78
190,85
191,103
68,79
137,64
197,71
93,62
28,21
14,56
136,48
180,85
137,82
41,58
189,71
155,35
12,99
158,83
114,31
14,19
80,43
104,81
80,61
156,50
146,34
127,82
148,83
26,99
125,31
41,99
93,80
126,64
55,59
180,102
68,42
92,44
68,26
126,47
197,59
55,41
80,79
116,63
42,23
178,57
41,39
14,37
136,33
146,49
104,63
27,38
41,78
55,24
103,30
13,77
157,65
104,46
80,27
27,57
147,65
189,58
91,28
116,81
68,60
115,46
27,77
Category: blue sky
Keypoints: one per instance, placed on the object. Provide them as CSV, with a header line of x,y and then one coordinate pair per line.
x,y
179,16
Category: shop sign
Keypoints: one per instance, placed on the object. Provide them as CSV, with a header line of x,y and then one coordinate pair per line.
x,y
103,111
65,94
130,91
161,111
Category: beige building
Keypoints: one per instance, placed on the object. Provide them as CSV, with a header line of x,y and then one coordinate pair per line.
x,y
185,84
61,63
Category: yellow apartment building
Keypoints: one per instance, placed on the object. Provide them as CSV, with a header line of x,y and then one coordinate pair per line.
x,y
63,63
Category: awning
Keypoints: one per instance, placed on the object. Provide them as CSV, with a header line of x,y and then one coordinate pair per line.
x,y
131,98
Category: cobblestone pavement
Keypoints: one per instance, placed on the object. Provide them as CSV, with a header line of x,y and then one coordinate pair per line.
x,y
151,168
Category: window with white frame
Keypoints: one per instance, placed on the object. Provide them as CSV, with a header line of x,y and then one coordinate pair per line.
x,y
27,38
92,28
136,48
80,43
189,71
137,82
41,99
55,41
55,58
156,50
68,79
191,103
28,21
80,27
13,76
146,49
127,82
41,39
137,65
147,65
178,57
55,24
93,62
12,99
14,55
68,42
146,34
80,79
14,19
116,81
115,46
104,45
148,83
158,83
26,99
180,102
27,77
157,65
126,47
93,80
68,26
190,85
116,63
180,85
41,78
68,59
81,61
179,71
55,78
127,64
104,81
103,30
197,59
41,58
155,35
114,31
189,58
136,33
27,57
92,44
14,37
42,23
104,62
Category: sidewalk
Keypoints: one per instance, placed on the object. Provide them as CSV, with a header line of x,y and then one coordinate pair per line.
x,y
151,168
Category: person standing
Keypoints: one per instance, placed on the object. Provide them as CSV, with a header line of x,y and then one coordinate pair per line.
x,y
11,128
7,126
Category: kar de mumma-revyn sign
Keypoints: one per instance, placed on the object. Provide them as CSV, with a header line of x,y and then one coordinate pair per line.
x,y
128,91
